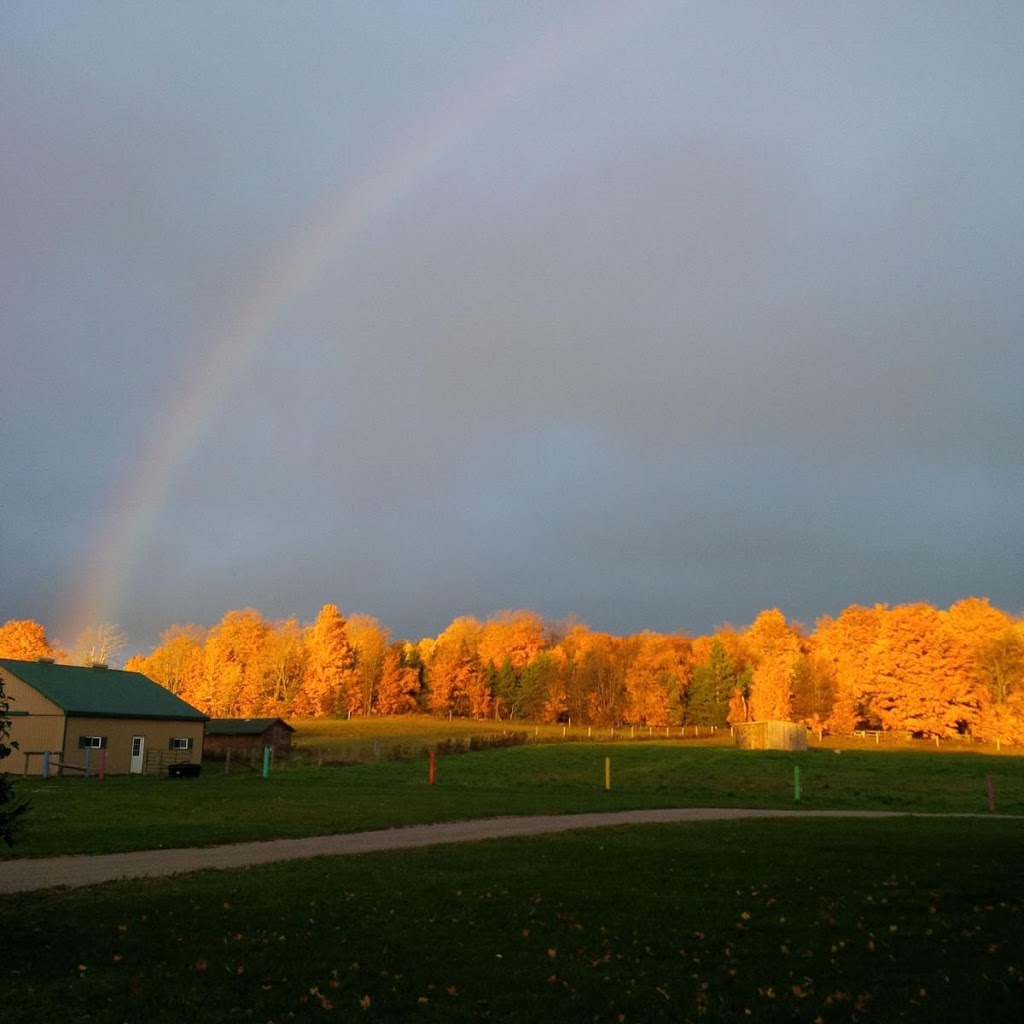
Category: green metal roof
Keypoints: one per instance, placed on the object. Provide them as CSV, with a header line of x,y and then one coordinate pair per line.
x,y
101,692
242,726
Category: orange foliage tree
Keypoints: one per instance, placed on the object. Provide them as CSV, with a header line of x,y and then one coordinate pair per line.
x,y
329,668
921,679
233,684
996,646
595,677
178,663
508,645
24,640
399,686
814,683
657,670
369,642
775,649
912,668
284,668
455,677
846,644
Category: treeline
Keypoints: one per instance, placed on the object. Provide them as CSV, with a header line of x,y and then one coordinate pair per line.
x,y
910,668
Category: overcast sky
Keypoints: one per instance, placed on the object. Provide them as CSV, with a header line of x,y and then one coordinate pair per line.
x,y
658,314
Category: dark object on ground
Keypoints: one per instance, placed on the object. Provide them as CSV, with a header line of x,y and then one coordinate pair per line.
x,y
184,770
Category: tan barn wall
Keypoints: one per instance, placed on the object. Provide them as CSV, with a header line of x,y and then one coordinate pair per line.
x,y
34,734
37,724
156,734
25,698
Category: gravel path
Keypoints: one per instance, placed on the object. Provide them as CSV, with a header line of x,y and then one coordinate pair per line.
x,y
81,870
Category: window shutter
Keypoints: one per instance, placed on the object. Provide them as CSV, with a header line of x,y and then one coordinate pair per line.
x,y
189,742
81,742
170,743
103,742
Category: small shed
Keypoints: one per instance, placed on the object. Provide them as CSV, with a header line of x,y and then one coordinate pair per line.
x,y
245,737
75,718
770,735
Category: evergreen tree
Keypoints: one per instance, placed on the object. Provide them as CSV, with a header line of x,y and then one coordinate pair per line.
x,y
707,699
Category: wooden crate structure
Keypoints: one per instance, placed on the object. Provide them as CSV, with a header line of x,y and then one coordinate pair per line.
x,y
770,735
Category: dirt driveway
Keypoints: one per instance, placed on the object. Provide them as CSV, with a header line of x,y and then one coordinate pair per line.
x,y
50,872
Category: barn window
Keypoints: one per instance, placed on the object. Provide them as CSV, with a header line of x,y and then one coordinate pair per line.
x,y
181,743
91,741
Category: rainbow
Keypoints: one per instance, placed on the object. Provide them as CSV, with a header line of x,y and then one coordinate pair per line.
x,y
106,574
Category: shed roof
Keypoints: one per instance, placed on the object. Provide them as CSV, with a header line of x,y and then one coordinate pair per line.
x,y
101,692
243,726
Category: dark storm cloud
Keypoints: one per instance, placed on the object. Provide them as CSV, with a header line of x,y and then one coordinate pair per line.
x,y
719,311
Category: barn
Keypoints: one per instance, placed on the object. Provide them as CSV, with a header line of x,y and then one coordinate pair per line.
x,y
246,737
96,715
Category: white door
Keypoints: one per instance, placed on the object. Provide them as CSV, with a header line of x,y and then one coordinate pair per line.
x,y
138,754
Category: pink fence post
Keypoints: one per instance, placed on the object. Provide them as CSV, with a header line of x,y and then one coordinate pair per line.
x,y
990,790
433,766
103,763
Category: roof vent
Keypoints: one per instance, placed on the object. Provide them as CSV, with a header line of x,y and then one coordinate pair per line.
x,y
100,666
46,661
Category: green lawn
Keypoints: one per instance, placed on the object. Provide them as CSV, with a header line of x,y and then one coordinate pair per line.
x,y
916,919
73,815
830,920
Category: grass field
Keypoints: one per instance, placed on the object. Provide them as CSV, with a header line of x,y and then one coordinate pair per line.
x,y
366,739
916,919
73,815
901,919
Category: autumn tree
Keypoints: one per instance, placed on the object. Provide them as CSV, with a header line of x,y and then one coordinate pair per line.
x,y
177,663
507,645
399,686
513,636
100,644
328,672
813,690
656,673
24,640
774,648
1001,664
369,642
994,643
456,679
846,643
920,675
998,661
595,677
283,667
233,683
